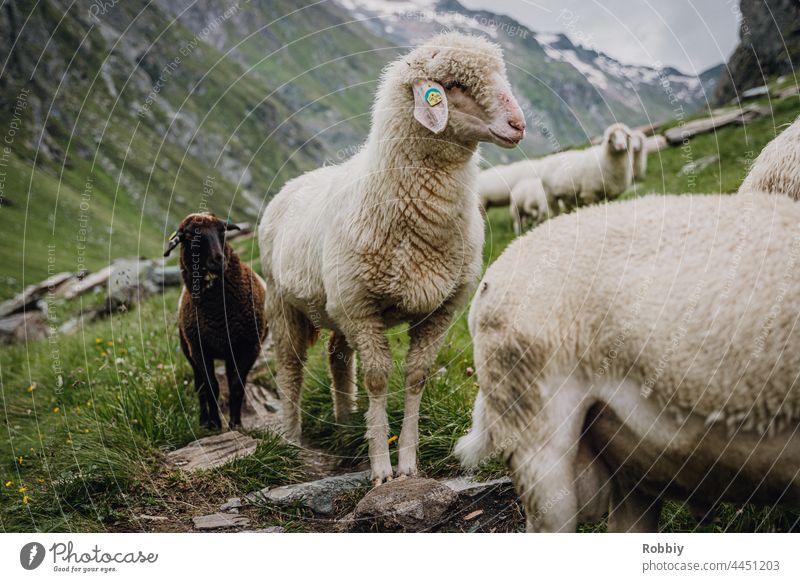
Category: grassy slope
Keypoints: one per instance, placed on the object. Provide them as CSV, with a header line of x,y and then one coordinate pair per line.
x,y
145,175
78,448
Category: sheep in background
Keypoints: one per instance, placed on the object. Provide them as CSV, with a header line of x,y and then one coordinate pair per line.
x,y
221,313
581,177
392,235
622,331
495,183
639,149
530,205
571,178
777,167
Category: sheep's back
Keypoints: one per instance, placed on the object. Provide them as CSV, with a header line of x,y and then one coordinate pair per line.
x,y
695,297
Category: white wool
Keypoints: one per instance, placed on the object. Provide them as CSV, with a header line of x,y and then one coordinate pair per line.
x,y
777,168
392,235
666,319
530,204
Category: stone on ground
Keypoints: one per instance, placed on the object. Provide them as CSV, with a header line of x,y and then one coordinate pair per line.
x,y
404,505
24,327
232,503
213,451
319,496
261,409
219,521
469,487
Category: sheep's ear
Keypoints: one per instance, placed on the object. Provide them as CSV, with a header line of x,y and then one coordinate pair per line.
x,y
430,105
174,240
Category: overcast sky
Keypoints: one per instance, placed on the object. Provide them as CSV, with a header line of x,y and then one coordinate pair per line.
x,y
690,35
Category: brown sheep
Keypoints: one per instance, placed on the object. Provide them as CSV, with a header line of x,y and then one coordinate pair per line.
x,y
221,312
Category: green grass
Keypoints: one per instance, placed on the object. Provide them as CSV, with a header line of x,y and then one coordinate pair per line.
x,y
88,417
735,148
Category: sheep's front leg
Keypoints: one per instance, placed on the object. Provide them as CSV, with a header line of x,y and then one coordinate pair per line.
x,y
426,338
516,219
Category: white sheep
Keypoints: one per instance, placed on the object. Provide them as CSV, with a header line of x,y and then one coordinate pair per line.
x,y
580,177
392,235
530,205
657,333
777,167
639,149
574,178
495,183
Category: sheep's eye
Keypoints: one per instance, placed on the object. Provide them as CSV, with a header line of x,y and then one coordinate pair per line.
x,y
453,84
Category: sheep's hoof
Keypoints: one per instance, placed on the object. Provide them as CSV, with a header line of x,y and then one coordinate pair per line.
x,y
377,482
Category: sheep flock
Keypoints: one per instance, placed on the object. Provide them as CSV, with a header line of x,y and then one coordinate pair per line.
x,y
628,352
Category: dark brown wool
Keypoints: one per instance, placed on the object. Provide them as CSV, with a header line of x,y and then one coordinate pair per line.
x,y
221,313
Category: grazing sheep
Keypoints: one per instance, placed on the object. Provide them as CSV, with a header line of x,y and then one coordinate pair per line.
x,y
639,149
495,183
580,177
392,235
221,312
530,205
777,167
658,335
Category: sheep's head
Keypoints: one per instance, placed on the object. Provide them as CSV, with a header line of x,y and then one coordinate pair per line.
x,y
617,138
637,141
202,236
460,89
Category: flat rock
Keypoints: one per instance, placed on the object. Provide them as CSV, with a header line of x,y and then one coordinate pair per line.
x,y
24,327
787,92
319,495
469,487
128,283
219,521
213,451
232,503
34,293
404,505
261,408
88,283
655,143
676,135
165,276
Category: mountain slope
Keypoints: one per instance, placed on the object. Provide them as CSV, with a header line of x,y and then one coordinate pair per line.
x,y
769,45
568,92
132,114
130,121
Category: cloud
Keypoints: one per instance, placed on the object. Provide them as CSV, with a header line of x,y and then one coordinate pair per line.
x,y
689,35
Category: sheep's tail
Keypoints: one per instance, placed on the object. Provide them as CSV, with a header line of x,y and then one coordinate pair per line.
x,y
476,446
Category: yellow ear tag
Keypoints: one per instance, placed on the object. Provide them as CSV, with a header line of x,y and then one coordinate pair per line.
x,y
173,235
433,97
